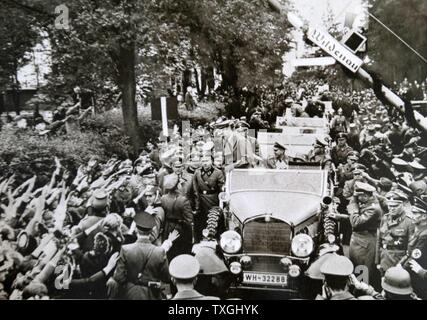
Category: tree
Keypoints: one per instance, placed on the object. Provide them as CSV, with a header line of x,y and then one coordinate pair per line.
x,y
17,36
391,57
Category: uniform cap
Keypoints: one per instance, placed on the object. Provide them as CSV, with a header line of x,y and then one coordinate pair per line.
x,y
170,181
279,146
144,221
359,167
342,135
371,127
418,210
397,281
177,163
337,265
399,162
100,194
361,187
321,141
396,196
416,165
184,267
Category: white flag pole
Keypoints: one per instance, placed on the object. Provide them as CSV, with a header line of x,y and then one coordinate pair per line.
x,y
164,116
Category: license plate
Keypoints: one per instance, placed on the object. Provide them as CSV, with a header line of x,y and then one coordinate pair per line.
x,y
265,278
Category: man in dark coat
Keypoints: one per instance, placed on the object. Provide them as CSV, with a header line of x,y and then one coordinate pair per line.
x,y
207,184
417,252
365,216
141,267
341,150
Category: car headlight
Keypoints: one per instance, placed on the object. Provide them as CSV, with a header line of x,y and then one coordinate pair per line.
x,y
302,245
230,242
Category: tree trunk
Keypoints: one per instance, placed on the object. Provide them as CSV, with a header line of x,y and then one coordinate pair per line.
x,y
15,90
126,68
186,80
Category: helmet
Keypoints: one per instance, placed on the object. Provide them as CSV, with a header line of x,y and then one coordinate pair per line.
x,y
397,281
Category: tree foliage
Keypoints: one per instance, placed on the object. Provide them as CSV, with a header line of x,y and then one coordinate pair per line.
x,y
391,57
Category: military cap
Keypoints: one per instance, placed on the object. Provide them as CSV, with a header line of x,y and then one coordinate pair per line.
x,y
313,272
151,175
321,141
170,181
411,143
397,281
342,135
184,267
359,167
396,196
399,162
99,198
418,210
100,194
222,124
278,145
242,125
337,265
144,221
385,183
177,163
289,100
353,125
361,187
416,165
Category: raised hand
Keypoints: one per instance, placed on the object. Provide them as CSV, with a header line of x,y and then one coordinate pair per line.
x,y
173,235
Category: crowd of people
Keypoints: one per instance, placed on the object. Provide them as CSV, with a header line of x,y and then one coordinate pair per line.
x,y
148,228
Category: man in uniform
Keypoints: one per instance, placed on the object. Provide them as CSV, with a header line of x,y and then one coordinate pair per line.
x,y
183,270
417,251
319,154
336,270
395,231
207,184
280,160
341,150
141,265
90,224
365,216
179,217
185,181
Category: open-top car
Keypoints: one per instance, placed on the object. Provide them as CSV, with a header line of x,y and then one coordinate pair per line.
x,y
273,228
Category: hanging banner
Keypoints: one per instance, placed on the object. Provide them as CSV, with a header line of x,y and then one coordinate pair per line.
x,y
325,41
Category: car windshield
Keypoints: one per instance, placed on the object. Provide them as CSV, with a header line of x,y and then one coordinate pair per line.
x,y
304,181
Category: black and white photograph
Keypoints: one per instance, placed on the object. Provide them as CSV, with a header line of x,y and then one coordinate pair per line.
x,y
224,150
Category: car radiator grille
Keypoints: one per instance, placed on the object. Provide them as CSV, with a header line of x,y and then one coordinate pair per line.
x,y
272,237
